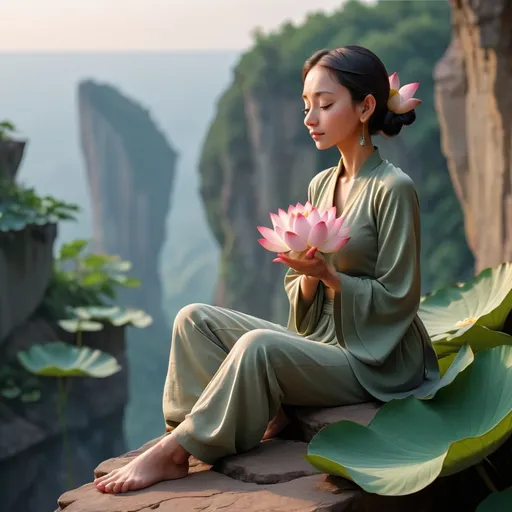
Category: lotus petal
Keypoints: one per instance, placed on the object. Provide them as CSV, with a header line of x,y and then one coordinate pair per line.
x,y
59,359
334,244
318,235
269,246
301,227
408,105
394,81
285,219
295,242
411,442
277,221
270,235
407,91
313,217
473,312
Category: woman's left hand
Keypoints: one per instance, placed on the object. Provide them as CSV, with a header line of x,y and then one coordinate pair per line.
x,y
312,266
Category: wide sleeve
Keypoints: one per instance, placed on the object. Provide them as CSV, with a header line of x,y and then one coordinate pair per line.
x,y
373,314
303,318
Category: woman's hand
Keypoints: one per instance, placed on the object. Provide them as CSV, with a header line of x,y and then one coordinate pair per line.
x,y
313,264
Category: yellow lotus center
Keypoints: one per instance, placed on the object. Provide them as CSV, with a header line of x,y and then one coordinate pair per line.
x,y
392,92
467,321
303,213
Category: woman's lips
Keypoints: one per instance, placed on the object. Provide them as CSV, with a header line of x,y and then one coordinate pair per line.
x,y
316,135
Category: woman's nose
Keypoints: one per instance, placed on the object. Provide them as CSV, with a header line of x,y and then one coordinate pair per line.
x,y
310,120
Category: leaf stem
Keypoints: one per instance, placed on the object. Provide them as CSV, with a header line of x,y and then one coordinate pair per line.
x,y
486,478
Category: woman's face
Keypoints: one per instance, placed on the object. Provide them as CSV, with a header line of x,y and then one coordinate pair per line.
x,y
331,117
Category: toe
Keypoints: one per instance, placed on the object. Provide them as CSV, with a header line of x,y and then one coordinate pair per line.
x,y
127,486
118,486
109,487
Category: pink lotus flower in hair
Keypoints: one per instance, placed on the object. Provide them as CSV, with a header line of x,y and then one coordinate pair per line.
x,y
401,98
304,229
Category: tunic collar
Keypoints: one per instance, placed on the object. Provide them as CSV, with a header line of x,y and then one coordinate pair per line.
x,y
360,181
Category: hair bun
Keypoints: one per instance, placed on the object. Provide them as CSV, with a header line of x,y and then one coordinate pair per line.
x,y
392,123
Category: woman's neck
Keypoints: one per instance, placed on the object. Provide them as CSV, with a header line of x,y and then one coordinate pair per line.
x,y
354,155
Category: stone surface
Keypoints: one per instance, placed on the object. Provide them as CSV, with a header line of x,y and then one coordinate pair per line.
x,y
208,490
274,461
309,420
11,154
25,268
475,113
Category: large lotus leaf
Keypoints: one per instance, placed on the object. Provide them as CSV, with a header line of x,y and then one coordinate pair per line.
x,y
114,314
472,312
456,364
411,442
59,359
497,502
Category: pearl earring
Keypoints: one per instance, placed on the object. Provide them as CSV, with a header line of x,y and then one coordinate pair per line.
x,y
362,139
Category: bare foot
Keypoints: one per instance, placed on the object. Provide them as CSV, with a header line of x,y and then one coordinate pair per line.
x,y
166,460
276,425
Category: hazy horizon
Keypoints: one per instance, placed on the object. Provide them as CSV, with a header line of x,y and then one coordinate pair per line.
x,y
30,26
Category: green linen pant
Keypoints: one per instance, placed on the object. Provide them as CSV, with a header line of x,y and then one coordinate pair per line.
x,y
229,372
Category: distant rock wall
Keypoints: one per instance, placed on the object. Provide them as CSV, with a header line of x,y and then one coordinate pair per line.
x,y
474,103
130,169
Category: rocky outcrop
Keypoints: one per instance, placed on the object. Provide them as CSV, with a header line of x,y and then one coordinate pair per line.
x,y
130,169
11,154
475,112
41,453
25,267
274,477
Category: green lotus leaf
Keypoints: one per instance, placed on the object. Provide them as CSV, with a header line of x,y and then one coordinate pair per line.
x,y
411,442
472,312
76,325
115,315
497,502
59,359
457,363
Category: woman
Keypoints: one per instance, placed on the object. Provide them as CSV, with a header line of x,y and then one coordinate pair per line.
x,y
353,333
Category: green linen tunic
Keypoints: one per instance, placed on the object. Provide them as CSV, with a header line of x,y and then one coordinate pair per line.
x,y
375,312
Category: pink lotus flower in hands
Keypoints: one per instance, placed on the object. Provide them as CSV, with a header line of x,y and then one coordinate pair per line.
x,y
401,98
304,229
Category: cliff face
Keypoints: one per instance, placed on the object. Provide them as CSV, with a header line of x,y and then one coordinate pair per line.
x,y
475,110
258,156
35,464
130,169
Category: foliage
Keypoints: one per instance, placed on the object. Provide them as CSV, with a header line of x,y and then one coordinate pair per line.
x,y
497,502
16,384
21,206
411,442
6,128
81,279
59,359
471,312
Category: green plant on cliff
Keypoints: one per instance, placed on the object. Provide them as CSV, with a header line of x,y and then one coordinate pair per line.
x,y
21,206
84,279
6,128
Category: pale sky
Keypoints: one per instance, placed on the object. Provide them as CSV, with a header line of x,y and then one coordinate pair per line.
x,y
124,25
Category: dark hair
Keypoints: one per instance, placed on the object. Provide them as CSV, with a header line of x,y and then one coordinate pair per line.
x,y
362,73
